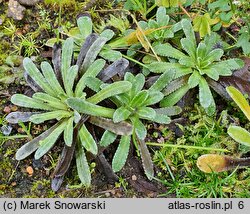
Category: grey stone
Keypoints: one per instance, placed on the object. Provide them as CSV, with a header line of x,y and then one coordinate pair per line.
x,y
15,10
6,130
28,2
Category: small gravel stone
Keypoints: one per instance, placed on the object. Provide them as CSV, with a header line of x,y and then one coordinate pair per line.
x,y
134,178
7,109
15,10
6,130
28,2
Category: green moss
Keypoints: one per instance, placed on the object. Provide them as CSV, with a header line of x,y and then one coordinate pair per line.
x,y
4,50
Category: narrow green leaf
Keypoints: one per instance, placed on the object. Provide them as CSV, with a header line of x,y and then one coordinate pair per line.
x,y
110,90
82,166
139,128
121,99
49,100
163,80
189,33
40,118
205,95
93,83
221,69
33,145
85,26
161,67
87,140
139,99
121,114
92,71
51,78
129,77
121,153
110,55
215,55
194,79
175,84
67,52
153,98
189,47
88,108
137,85
240,100
24,101
70,78
174,97
146,113
92,53
239,134
108,34
187,61
47,143
36,75
162,118
68,132
232,64
201,51
167,50
169,111
77,117
212,73
107,138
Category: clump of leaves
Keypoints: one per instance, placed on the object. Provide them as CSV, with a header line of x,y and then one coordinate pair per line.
x,y
54,88
218,163
224,10
120,23
82,31
134,106
194,64
142,6
203,23
155,29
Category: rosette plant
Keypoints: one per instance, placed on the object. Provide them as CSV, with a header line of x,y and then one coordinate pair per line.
x,y
54,87
134,106
194,64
